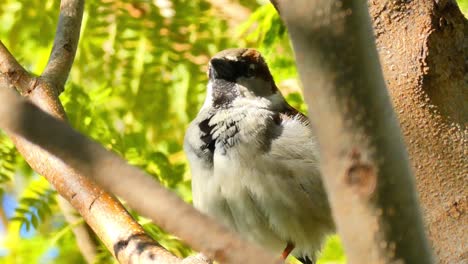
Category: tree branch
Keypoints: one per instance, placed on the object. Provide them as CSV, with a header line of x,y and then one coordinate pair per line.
x,y
96,206
113,173
102,212
114,226
363,159
65,43
14,72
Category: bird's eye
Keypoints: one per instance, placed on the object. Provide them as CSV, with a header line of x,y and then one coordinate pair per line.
x,y
250,71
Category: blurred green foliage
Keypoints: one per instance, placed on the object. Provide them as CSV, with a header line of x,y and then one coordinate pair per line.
x,y
35,204
463,4
138,79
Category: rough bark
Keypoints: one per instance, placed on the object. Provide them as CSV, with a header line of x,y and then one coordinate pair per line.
x,y
424,53
363,159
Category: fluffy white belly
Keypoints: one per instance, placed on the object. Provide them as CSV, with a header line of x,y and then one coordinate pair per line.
x,y
263,201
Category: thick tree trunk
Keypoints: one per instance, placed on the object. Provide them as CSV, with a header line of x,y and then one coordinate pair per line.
x,y
364,164
423,49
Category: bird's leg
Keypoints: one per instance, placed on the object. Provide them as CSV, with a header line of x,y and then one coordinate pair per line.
x,y
287,250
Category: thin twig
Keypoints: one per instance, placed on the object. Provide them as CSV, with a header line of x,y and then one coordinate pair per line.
x,y
65,43
84,238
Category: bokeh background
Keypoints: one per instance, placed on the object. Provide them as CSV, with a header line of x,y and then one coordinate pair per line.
x,y
138,79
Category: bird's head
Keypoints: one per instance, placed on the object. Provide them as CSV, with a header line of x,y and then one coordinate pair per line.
x,y
239,75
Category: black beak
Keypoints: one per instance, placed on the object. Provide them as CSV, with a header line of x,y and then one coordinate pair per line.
x,y
221,69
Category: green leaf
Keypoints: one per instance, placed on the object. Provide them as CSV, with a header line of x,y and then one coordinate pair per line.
x,y
34,220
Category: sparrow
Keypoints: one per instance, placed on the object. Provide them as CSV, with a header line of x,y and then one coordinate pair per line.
x,y
254,159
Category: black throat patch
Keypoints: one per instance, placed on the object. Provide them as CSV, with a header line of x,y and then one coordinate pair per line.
x,y
223,92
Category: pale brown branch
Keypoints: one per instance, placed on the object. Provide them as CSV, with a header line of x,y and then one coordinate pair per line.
x,y
96,206
121,234
113,173
14,72
113,225
65,43
102,212
363,159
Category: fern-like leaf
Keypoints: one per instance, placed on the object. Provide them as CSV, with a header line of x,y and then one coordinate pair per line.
x,y
35,203
8,161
